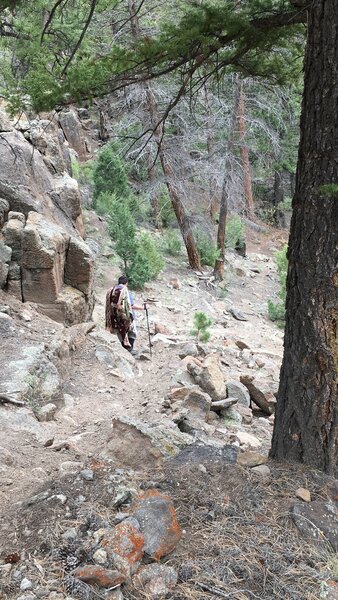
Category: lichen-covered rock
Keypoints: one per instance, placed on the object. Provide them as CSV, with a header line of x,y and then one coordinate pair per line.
x,y
156,515
125,540
136,445
100,576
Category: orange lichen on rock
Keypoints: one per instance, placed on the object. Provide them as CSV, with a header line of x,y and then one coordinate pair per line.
x,y
157,517
126,540
99,576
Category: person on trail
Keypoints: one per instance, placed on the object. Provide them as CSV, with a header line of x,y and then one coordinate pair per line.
x,y
120,313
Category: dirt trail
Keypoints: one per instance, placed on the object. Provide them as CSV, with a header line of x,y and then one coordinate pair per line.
x,y
95,394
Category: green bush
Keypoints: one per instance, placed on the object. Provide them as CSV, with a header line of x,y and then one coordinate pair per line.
x,y
141,260
147,248
110,174
122,229
171,243
201,325
234,234
207,250
276,310
105,204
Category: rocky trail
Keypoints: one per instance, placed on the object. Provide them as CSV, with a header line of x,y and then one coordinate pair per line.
x,y
148,477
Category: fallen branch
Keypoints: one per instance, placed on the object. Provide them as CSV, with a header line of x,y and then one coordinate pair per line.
x,y
5,399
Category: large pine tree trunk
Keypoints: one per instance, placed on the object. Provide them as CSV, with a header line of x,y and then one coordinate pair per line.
x,y
306,424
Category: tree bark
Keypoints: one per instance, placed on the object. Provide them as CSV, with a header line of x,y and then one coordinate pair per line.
x,y
306,423
244,150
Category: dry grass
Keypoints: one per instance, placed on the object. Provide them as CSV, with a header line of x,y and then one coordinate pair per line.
x,y
238,539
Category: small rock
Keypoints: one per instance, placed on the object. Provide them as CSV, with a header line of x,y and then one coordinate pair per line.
x,y
175,283
46,412
100,576
159,328
262,470
303,494
178,393
231,416
237,314
87,474
100,556
70,534
251,459
189,349
156,580
25,585
242,345
245,412
246,439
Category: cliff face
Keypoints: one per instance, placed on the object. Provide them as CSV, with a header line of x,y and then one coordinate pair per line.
x,y
43,258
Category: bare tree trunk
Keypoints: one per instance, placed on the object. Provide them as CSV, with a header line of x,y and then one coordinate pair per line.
x,y
228,168
214,205
306,423
178,206
244,150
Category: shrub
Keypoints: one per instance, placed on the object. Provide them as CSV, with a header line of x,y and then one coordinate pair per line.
x,y
171,243
141,260
276,310
234,235
105,204
201,325
110,174
207,250
122,229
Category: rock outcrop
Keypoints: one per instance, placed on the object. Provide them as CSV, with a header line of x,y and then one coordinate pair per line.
x,y
42,256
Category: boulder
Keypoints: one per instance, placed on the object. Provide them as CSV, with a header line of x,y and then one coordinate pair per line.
x,y
43,259
318,521
203,453
46,412
238,390
157,517
79,267
209,377
4,209
74,133
155,581
137,445
197,403
5,257
13,233
66,196
262,393
47,137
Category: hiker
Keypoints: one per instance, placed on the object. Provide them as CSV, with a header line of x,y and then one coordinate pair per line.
x,y
120,313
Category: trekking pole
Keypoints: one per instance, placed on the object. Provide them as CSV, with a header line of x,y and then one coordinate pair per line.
x,y
146,309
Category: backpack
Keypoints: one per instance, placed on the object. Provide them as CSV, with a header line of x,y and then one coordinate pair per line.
x,y
121,313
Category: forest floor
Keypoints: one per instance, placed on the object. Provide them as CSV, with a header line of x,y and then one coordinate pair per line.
x,y
238,540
